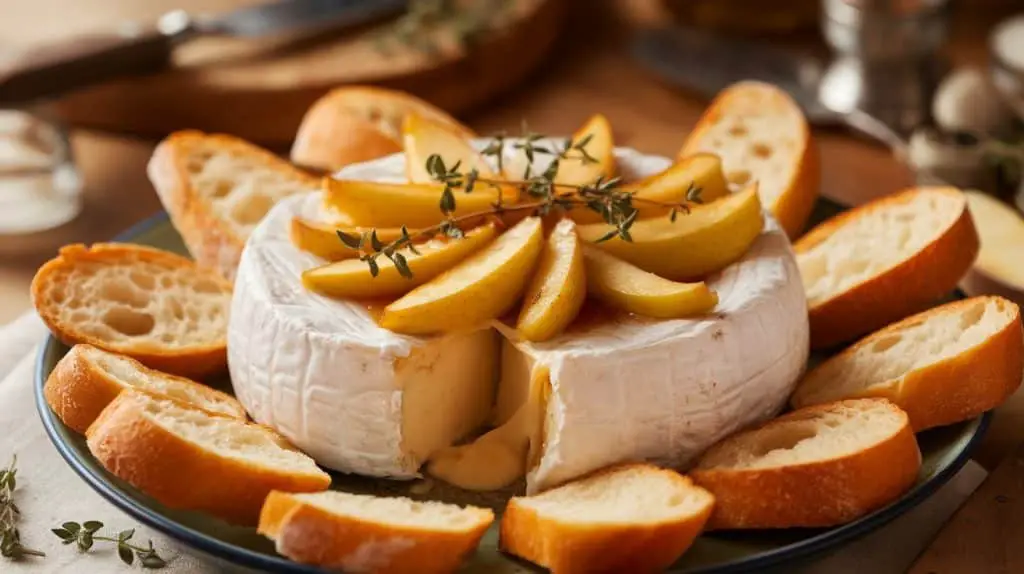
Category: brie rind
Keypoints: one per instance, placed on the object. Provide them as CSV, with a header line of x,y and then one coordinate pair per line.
x,y
361,399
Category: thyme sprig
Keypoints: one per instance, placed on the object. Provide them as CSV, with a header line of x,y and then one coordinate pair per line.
x,y
426,24
540,193
10,538
85,534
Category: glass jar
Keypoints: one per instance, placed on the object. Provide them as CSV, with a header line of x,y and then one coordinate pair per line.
x,y
40,187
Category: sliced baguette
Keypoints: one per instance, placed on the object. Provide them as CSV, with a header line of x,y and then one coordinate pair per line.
x,y
942,366
761,135
189,459
360,123
819,466
883,261
630,518
152,305
362,533
87,379
216,188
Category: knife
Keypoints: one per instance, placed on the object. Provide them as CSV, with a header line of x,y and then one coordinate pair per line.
x,y
77,62
697,60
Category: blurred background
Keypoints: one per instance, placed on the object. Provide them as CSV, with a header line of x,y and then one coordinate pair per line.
x,y
933,80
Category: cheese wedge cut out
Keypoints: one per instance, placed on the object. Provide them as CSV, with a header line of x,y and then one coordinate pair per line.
x,y
703,171
558,288
474,292
500,457
351,278
372,204
703,241
365,400
626,287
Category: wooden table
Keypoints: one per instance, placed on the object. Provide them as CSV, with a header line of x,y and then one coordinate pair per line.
x,y
590,72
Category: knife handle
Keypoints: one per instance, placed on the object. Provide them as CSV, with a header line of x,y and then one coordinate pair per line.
x,y
83,60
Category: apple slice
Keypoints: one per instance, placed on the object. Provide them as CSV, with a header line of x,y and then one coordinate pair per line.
x,y
351,278
378,204
558,288
479,289
707,239
701,170
422,138
321,239
574,170
629,288
1001,230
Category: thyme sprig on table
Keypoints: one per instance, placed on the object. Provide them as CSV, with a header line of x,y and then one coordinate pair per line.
x,y
538,193
85,534
10,538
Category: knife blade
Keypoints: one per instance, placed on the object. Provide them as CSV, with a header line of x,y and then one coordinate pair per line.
x,y
77,62
697,60
706,63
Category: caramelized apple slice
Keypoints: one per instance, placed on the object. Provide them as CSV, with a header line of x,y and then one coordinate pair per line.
x,y
378,204
351,278
629,288
422,138
575,170
558,288
708,239
321,239
703,171
479,289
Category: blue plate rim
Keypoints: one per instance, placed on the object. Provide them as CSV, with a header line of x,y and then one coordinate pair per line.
x,y
791,553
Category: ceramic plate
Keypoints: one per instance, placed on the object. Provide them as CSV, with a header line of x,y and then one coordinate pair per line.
x,y
945,451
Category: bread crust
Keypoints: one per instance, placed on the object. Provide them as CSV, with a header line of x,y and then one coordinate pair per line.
x,y
795,204
908,287
78,390
569,548
181,474
957,388
210,240
337,130
817,493
311,535
194,362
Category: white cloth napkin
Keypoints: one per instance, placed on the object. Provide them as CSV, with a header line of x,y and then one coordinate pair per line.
x,y
50,493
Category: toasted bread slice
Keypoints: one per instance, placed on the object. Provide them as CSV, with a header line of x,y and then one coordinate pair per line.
x,y
1001,229
761,135
190,459
942,366
216,188
152,305
362,533
360,123
819,466
629,518
884,260
87,379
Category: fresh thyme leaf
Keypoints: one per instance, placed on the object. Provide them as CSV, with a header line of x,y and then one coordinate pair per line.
x,y
92,525
72,527
402,265
126,554
607,236
582,143
350,241
693,194
374,268
63,534
375,241
447,201
10,538
436,167
672,215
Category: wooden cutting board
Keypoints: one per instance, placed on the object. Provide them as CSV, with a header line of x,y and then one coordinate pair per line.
x,y
260,89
